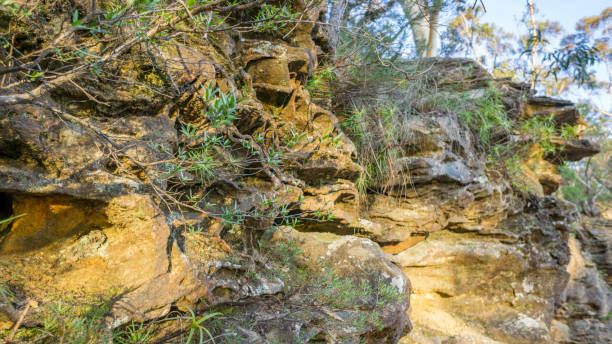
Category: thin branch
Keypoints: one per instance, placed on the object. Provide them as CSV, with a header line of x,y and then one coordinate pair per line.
x,y
603,112
30,303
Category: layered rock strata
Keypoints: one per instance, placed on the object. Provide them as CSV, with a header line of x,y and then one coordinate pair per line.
x,y
479,262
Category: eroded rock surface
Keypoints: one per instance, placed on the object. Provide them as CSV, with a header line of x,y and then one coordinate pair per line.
x,y
586,301
89,176
471,281
476,261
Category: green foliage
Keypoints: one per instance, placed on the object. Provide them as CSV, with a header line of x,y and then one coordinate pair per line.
x,y
273,157
568,132
222,107
554,67
4,223
284,252
34,75
358,299
72,323
135,334
195,229
6,294
340,293
319,78
573,190
292,140
588,183
203,162
198,160
233,215
77,24
195,326
387,294
11,8
202,159
376,132
355,124
114,11
382,133
485,115
542,129
382,138
271,17
327,288
313,287
574,60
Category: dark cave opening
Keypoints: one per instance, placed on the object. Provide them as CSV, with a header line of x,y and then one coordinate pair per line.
x,y
6,206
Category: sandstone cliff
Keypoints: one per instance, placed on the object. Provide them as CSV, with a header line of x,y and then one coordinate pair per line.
x,y
203,178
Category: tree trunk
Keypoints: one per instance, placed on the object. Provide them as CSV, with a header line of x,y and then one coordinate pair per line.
x,y
336,21
424,21
433,46
534,40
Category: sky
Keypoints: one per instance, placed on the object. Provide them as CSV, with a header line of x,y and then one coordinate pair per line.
x,y
507,14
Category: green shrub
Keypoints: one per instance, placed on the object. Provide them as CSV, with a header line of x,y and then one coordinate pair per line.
x,y
135,334
195,325
271,17
485,115
542,129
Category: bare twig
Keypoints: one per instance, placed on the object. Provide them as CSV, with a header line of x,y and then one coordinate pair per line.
x,y
29,303
603,112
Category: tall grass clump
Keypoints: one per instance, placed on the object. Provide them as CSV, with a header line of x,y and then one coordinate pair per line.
x,y
379,120
383,128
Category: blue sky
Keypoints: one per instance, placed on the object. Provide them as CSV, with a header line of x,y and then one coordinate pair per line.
x,y
507,14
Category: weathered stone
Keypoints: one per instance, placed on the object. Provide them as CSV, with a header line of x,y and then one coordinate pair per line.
x,y
184,64
467,281
68,247
573,150
564,112
362,261
455,74
93,176
41,154
596,239
586,301
153,299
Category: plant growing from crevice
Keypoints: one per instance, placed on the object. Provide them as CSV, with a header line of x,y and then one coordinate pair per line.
x,y
135,334
320,77
271,17
6,294
542,130
194,325
65,321
485,116
222,107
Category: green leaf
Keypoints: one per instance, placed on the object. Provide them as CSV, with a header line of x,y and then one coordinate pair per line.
x,y
75,18
4,223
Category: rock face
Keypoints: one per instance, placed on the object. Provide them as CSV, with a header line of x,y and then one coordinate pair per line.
x,y
363,263
446,251
487,265
469,281
97,206
586,301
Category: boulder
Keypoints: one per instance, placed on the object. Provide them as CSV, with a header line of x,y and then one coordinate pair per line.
x,y
359,264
